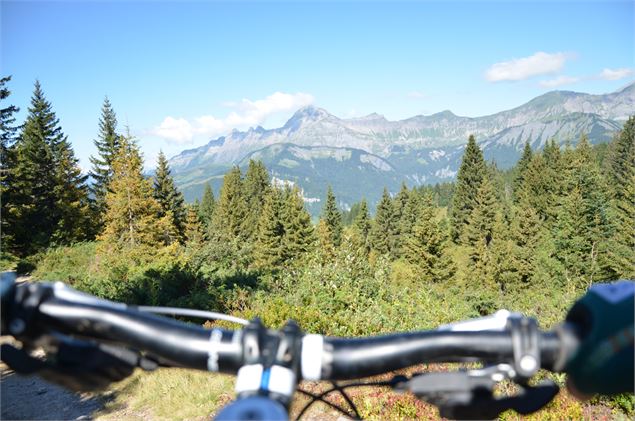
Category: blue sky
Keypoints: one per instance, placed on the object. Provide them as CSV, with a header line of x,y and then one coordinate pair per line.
x,y
179,73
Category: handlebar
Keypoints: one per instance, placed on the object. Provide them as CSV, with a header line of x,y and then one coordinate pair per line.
x,y
271,363
68,311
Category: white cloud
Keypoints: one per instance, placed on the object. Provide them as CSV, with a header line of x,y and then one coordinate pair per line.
x,y
615,74
177,129
558,81
247,113
540,63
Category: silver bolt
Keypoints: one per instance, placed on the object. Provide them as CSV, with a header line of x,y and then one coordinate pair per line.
x,y
528,363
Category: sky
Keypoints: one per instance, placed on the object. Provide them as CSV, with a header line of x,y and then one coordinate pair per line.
x,y
181,73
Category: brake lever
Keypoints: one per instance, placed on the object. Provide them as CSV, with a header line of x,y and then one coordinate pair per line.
x,y
469,394
78,365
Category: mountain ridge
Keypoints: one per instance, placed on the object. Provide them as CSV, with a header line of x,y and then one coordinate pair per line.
x,y
420,149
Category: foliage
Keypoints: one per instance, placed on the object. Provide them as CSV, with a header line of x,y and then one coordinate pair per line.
x,y
46,198
169,198
107,144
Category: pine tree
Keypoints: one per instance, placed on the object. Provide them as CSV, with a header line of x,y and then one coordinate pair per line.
x,y
255,185
362,224
48,194
525,234
480,226
228,222
621,178
583,230
7,129
269,249
131,218
169,198
521,168
384,228
469,178
7,163
107,144
425,248
206,207
72,206
299,236
332,218
193,229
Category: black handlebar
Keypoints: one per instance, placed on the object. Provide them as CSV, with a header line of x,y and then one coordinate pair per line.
x,y
68,311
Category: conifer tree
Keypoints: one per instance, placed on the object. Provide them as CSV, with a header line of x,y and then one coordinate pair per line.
x,y
107,144
384,228
299,236
256,184
48,194
469,178
72,206
193,229
583,230
7,128
400,202
425,248
131,218
525,234
521,168
206,207
621,178
169,198
269,249
362,223
480,226
231,210
7,162
332,218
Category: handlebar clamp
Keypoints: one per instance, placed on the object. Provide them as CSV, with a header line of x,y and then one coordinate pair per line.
x,y
525,343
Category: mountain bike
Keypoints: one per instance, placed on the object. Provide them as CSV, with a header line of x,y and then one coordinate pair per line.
x,y
91,342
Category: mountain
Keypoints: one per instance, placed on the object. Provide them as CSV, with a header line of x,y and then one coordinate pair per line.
x,y
359,156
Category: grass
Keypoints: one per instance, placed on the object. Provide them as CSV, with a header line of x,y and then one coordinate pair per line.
x,y
167,394
179,394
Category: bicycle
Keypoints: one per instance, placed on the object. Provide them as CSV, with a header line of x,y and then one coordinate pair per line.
x,y
94,342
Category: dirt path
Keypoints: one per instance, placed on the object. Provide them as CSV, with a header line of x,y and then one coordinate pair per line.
x,y
31,398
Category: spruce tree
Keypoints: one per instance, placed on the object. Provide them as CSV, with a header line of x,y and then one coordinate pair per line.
x,y
7,128
425,248
228,222
131,218
384,228
72,206
521,168
468,180
48,194
169,198
107,144
206,207
332,218
255,185
621,179
362,224
269,250
7,162
583,231
362,221
525,234
480,226
193,229
299,236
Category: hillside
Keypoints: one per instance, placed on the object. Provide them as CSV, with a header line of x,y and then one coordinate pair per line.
x,y
370,152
